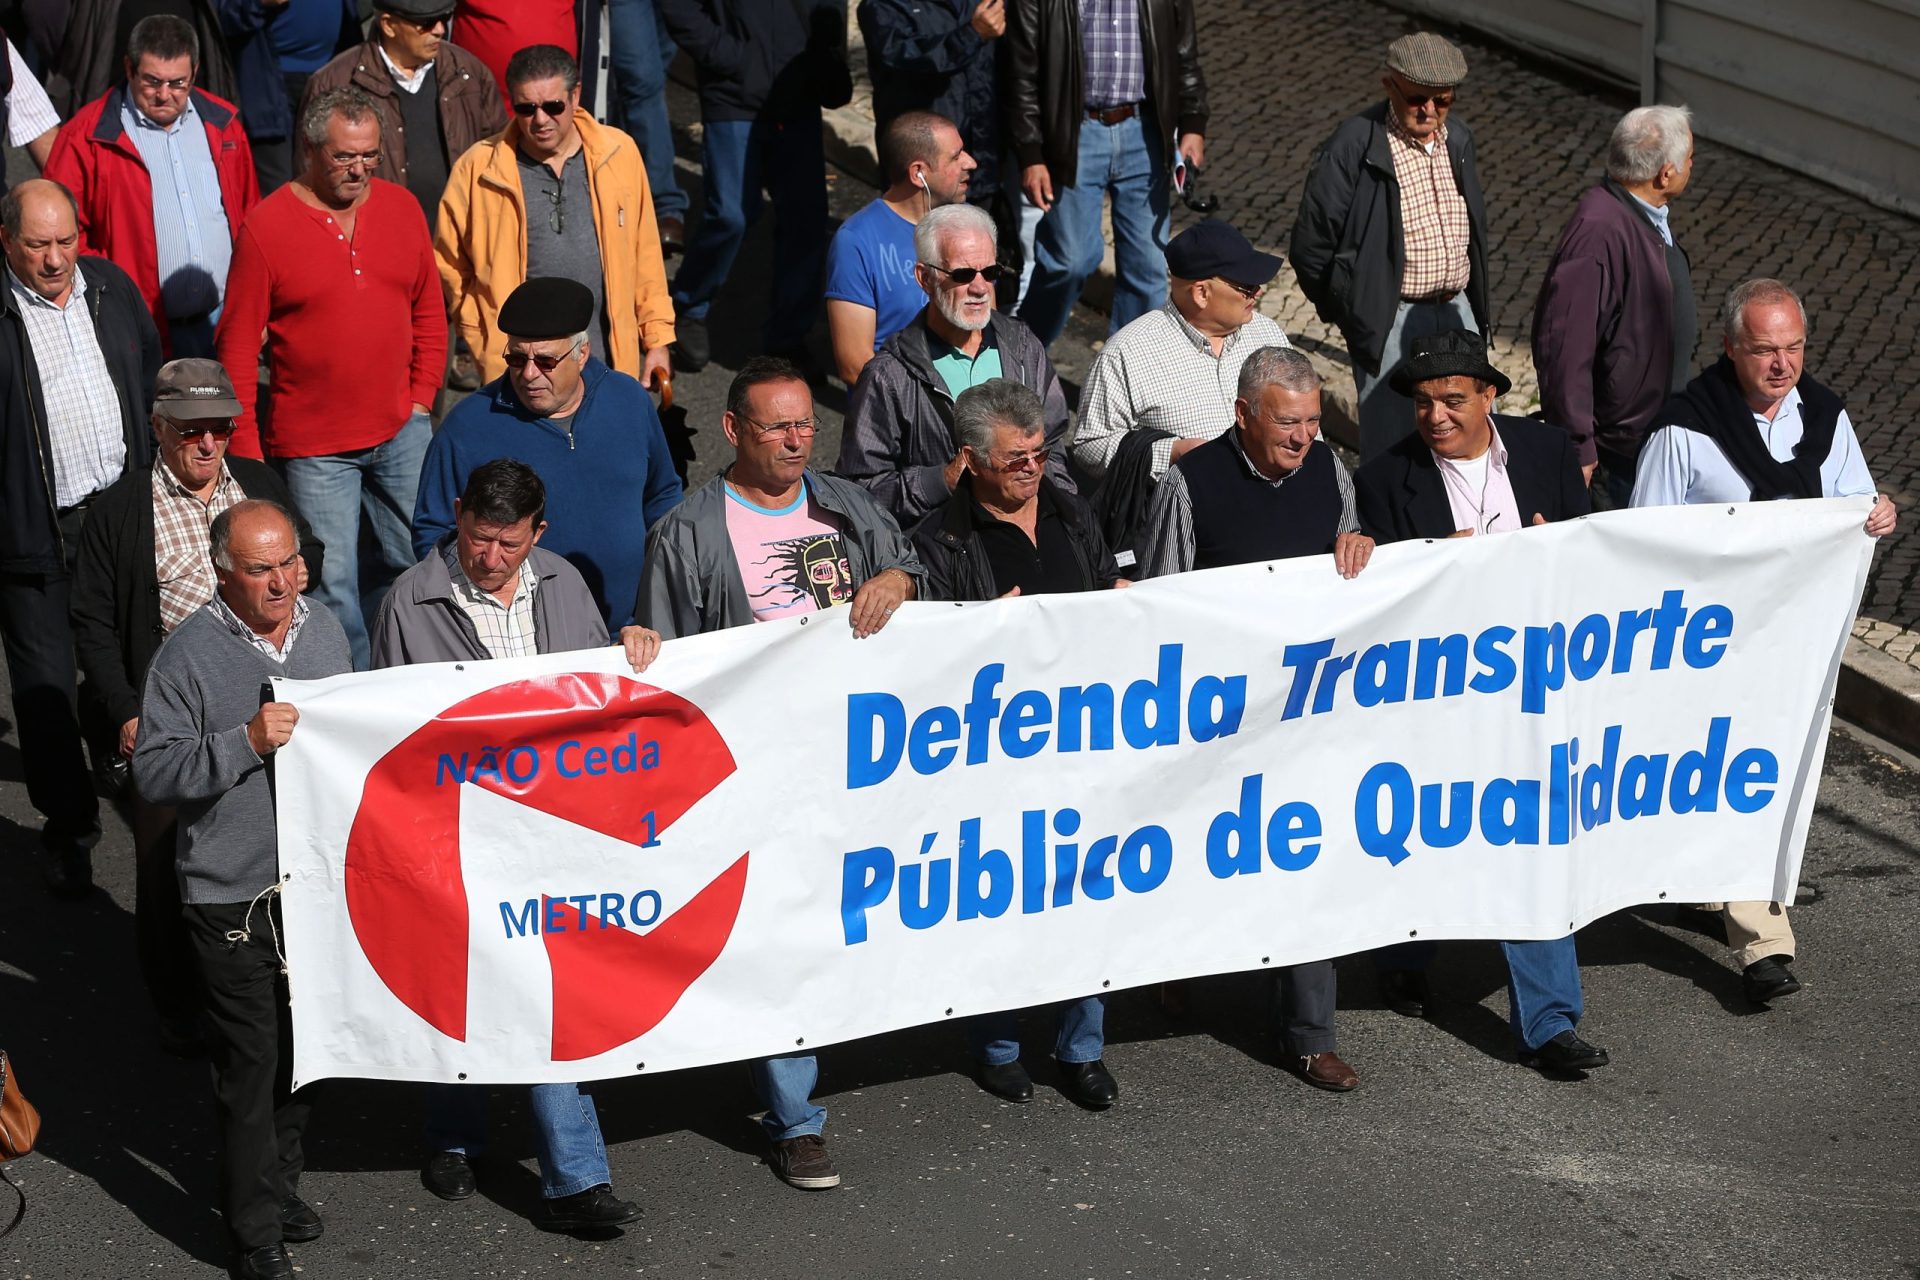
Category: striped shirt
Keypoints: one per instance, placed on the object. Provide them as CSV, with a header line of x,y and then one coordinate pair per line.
x,y
83,410
1159,371
181,523
505,630
1113,62
1433,216
190,231
30,112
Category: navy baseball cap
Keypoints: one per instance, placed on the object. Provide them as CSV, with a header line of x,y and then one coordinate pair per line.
x,y
1214,248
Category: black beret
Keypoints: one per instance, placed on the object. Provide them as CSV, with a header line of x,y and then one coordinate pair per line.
x,y
547,307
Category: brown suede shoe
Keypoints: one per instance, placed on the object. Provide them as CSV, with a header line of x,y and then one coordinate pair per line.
x,y
1327,1071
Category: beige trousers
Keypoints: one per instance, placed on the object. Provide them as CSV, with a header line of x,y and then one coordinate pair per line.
x,y
1755,930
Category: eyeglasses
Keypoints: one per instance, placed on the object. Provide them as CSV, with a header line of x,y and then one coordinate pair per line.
x,y
153,84
556,210
1029,460
804,428
425,24
555,109
1440,101
518,360
964,275
1247,291
348,159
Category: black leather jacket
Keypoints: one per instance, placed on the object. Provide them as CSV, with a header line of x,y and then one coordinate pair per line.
x,y
1041,88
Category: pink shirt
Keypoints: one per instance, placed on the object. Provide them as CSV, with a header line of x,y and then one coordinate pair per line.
x,y
1480,491
793,560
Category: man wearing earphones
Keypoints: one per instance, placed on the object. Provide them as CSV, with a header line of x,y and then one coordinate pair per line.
x,y
871,290
898,441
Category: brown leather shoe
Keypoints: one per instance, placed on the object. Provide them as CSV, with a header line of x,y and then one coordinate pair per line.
x,y
673,235
1327,1071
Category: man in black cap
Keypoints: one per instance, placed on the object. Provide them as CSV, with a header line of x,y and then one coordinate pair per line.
x,y
143,569
435,99
590,431
1469,472
1394,200
1175,370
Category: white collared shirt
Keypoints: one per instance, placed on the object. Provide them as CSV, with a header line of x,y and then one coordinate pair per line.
x,y
1680,466
409,81
1480,491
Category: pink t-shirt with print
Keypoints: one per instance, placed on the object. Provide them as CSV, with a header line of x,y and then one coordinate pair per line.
x,y
793,560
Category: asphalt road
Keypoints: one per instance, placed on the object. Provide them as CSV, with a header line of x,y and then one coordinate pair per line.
x,y
1724,1141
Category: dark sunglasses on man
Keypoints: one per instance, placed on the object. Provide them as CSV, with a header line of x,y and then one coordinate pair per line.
x,y
194,428
555,110
965,275
517,360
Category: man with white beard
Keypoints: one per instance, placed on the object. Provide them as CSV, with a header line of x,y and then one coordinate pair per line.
x,y
899,442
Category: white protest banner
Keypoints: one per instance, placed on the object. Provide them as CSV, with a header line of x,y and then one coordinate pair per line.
x,y
780,837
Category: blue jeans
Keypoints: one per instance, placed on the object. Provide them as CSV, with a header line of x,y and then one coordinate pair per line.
x,y
785,1085
1543,983
332,492
566,1129
1080,1033
641,52
739,157
1386,416
1129,160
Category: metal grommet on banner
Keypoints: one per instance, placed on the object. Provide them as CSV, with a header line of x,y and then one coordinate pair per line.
x,y
459,666
1413,933
463,1075
949,1013
1265,959
1105,983
639,1066
800,1041
1663,895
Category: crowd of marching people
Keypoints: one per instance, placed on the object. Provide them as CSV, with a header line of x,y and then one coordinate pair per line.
x,y
271,236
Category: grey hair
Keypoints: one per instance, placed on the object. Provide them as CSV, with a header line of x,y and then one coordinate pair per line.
x,y
948,218
998,402
1646,140
220,532
350,104
1743,295
1277,366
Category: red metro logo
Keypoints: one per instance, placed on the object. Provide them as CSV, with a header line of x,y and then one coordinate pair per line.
x,y
604,752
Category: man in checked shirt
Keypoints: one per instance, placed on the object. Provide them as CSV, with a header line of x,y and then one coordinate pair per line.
x,y
1391,240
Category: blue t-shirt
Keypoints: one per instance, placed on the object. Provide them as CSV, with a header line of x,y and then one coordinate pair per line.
x,y
871,263
305,34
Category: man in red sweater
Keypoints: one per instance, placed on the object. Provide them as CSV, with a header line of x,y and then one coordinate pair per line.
x,y
174,237
336,268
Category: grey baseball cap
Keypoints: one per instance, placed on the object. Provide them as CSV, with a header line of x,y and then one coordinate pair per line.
x,y
194,388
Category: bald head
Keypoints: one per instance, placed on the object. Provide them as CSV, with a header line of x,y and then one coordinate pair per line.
x,y
40,231
256,559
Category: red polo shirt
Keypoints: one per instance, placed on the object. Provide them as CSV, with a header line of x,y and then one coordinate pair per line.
x,y
356,329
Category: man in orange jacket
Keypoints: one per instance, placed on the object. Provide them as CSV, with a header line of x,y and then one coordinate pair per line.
x,y
174,236
555,193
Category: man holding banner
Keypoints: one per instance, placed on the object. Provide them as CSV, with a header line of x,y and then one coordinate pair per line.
x,y
1755,427
487,591
765,540
1268,488
1008,531
1467,472
209,727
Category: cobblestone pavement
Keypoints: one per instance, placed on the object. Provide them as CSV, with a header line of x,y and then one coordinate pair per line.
x,y
1283,73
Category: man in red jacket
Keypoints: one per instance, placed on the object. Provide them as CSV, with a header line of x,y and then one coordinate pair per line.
x,y
174,236
336,268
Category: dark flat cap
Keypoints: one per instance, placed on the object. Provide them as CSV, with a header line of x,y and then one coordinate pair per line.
x,y
1443,355
1214,248
418,9
194,388
1427,59
547,307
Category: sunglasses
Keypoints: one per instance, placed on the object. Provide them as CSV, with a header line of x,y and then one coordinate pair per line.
x,y
1440,101
194,429
1247,291
964,275
555,109
517,360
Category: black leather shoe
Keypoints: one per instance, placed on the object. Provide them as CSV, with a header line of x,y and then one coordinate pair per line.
x,y
691,349
298,1222
70,874
1089,1084
1769,979
1566,1052
595,1209
1008,1080
268,1262
1405,991
448,1175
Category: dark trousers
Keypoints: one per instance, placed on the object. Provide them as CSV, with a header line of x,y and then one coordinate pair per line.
x,y
159,930
39,645
1305,994
251,1044
277,160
